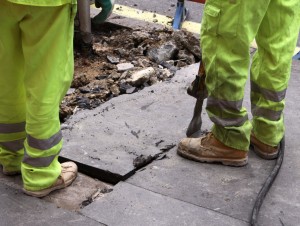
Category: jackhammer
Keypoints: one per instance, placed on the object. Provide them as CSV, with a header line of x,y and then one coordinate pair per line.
x,y
198,90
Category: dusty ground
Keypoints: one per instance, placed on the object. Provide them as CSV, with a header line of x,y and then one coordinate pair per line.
x,y
124,61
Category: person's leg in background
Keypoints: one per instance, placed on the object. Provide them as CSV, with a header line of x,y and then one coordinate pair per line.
x,y
270,73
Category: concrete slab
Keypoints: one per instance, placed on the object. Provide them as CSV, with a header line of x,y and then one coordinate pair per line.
x,y
134,206
19,209
232,191
108,141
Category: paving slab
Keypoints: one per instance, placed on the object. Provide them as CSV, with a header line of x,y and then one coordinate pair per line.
x,y
134,206
126,132
232,191
19,209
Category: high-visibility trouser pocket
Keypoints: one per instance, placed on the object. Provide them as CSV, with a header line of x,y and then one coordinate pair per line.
x,y
222,17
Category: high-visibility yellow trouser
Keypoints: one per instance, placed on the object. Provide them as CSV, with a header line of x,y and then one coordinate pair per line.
x,y
36,69
228,28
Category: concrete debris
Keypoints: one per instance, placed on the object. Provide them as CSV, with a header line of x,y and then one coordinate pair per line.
x,y
70,91
113,59
140,77
163,53
142,160
115,90
124,67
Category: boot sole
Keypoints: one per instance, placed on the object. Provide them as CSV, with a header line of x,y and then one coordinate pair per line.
x,y
264,155
226,162
47,191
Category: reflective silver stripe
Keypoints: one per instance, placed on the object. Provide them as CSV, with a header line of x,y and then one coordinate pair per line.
x,y
15,145
12,128
265,113
227,122
38,162
268,94
224,104
44,144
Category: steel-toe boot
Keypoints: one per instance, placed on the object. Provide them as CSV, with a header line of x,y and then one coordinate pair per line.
x,y
209,149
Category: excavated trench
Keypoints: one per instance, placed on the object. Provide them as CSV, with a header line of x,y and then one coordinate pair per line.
x,y
124,61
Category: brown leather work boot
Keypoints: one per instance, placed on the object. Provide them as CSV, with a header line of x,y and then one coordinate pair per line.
x,y
263,150
209,149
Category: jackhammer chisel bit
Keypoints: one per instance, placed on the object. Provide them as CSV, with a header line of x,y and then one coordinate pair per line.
x,y
198,90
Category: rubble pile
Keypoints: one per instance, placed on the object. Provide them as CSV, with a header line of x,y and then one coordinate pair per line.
x,y
125,61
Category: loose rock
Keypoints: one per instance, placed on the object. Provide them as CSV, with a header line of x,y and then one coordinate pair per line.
x,y
164,53
124,67
142,76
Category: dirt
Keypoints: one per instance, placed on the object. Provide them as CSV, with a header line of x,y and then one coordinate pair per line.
x,y
124,61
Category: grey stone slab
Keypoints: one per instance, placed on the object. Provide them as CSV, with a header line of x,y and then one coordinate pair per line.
x,y
232,191
19,209
110,138
134,206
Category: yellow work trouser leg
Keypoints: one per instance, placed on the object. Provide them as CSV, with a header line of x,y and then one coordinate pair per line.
x,y
39,41
270,70
12,92
227,30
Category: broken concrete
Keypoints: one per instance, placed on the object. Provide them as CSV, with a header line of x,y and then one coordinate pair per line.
x,y
165,52
124,67
140,77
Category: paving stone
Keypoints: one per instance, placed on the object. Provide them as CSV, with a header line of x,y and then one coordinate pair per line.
x,y
19,209
134,206
107,140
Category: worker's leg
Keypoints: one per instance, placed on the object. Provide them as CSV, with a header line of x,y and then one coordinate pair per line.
x,y
48,55
270,71
12,93
227,30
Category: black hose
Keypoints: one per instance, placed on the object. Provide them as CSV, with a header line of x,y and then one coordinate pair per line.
x,y
267,185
